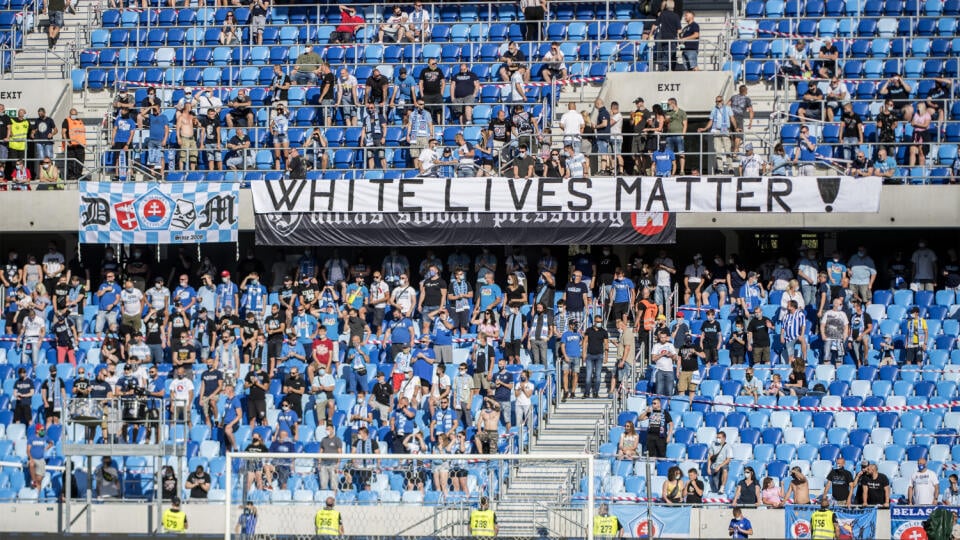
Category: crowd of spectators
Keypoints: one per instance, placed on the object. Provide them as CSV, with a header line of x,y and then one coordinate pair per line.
x,y
28,159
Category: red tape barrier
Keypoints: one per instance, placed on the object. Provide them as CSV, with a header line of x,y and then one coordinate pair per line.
x,y
797,408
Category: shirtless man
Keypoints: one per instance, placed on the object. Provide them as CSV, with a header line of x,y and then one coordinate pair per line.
x,y
488,423
799,487
187,124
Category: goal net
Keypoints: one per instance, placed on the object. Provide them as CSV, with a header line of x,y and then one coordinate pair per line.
x,y
278,495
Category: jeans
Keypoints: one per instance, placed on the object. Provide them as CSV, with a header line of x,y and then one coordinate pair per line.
x,y
850,147
788,351
664,381
44,150
809,292
104,319
154,152
663,54
690,59
573,140
354,382
301,77
538,351
156,353
31,346
594,368
506,412
675,143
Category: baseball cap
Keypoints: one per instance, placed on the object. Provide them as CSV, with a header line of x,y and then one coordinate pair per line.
x,y
158,279
287,278
225,274
329,283
188,90
748,147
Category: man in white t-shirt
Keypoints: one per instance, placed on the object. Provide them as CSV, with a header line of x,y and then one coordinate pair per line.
x,y
750,163
576,162
394,29
428,159
553,66
379,297
924,485
131,306
572,124
664,355
32,330
181,396
518,93
404,297
524,402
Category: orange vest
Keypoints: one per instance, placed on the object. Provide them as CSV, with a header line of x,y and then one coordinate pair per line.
x,y
650,310
76,133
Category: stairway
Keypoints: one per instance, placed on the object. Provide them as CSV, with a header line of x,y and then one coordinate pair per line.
x,y
536,486
36,61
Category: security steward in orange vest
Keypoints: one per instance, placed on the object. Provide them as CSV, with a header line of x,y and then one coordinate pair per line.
x,y
75,144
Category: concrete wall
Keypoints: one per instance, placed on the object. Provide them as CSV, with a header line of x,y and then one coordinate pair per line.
x,y
657,87
900,206
51,94
708,522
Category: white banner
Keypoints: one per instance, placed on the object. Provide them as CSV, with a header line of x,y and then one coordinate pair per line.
x,y
775,194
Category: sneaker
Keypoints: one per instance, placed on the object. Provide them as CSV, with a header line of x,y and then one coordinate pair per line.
x,y
563,398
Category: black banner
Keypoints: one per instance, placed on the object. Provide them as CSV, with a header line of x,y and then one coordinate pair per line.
x,y
464,228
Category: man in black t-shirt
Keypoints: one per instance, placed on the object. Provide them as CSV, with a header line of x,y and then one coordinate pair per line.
x,y
256,382
279,86
466,88
198,483
852,131
811,107
596,340
433,293
840,483
210,139
377,86
432,84
328,84
875,487
710,334
758,337
659,429
500,129
690,355
274,327
666,31
827,59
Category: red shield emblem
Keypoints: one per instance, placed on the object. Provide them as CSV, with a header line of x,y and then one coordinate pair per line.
x,y
650,223
126,215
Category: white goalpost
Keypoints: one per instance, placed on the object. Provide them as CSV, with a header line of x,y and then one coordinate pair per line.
x,y
273,495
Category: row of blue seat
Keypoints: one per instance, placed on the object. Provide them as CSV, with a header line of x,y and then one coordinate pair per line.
x,y
882,48
850,8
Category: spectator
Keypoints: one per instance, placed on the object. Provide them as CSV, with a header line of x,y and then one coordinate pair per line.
x,y
835,96
186,126
740,526
42,131
664,161
887,120
198,483
328,85
665,32
419,28
851,133
602,139
758,334
799,490
771,495
466,88
159,134
874,487
393,30
307,69
534,12
239,151
523,164
512,59
49,176
210,139
373,135
720,125
920,120
350,23
827,60
812,104
834,330
316,150
884,166
229,32
779,164
404,96
673,487
805,153
951,496
937,98
74,139
659,429
55,9
432,85
628,445
107,478
897,90
798,61
924,485
259,10
916,336
241,113
793,332
330,444
690,41
748,490
279,87
750,164
554,68
839,484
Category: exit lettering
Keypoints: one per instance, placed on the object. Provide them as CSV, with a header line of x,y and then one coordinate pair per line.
x,y
668,87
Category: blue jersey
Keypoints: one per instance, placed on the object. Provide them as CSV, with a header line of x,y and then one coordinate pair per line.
x,y
225,295
37,446
184,294
331,322
572,344
401,330
230,414
286,420
403,425
357,295
305,326
255,298
488,295
751,295
110,293
621,289
422,368
664,162
835,271
444,419
441,335
307,267
124,130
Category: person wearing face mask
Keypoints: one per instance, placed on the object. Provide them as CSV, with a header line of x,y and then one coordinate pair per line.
x,y
228,294
596,342
659,429
108,300
523,164
404,297
923,263
718,462
138,268
17,140
748,489
181,397
924,485
131,306
673,487
951,496
254,300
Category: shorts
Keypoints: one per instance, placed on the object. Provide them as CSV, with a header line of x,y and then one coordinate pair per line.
x,y
258,23
50,412
465,100
257,409
572,364
418,145
40,467
685,382
603,146
460,319
188,150
213,156
375,153
56,18
281,138
616,145
205,402
458,472
274,349
554,73
511,348
711,356
348,110
480,382
620,309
